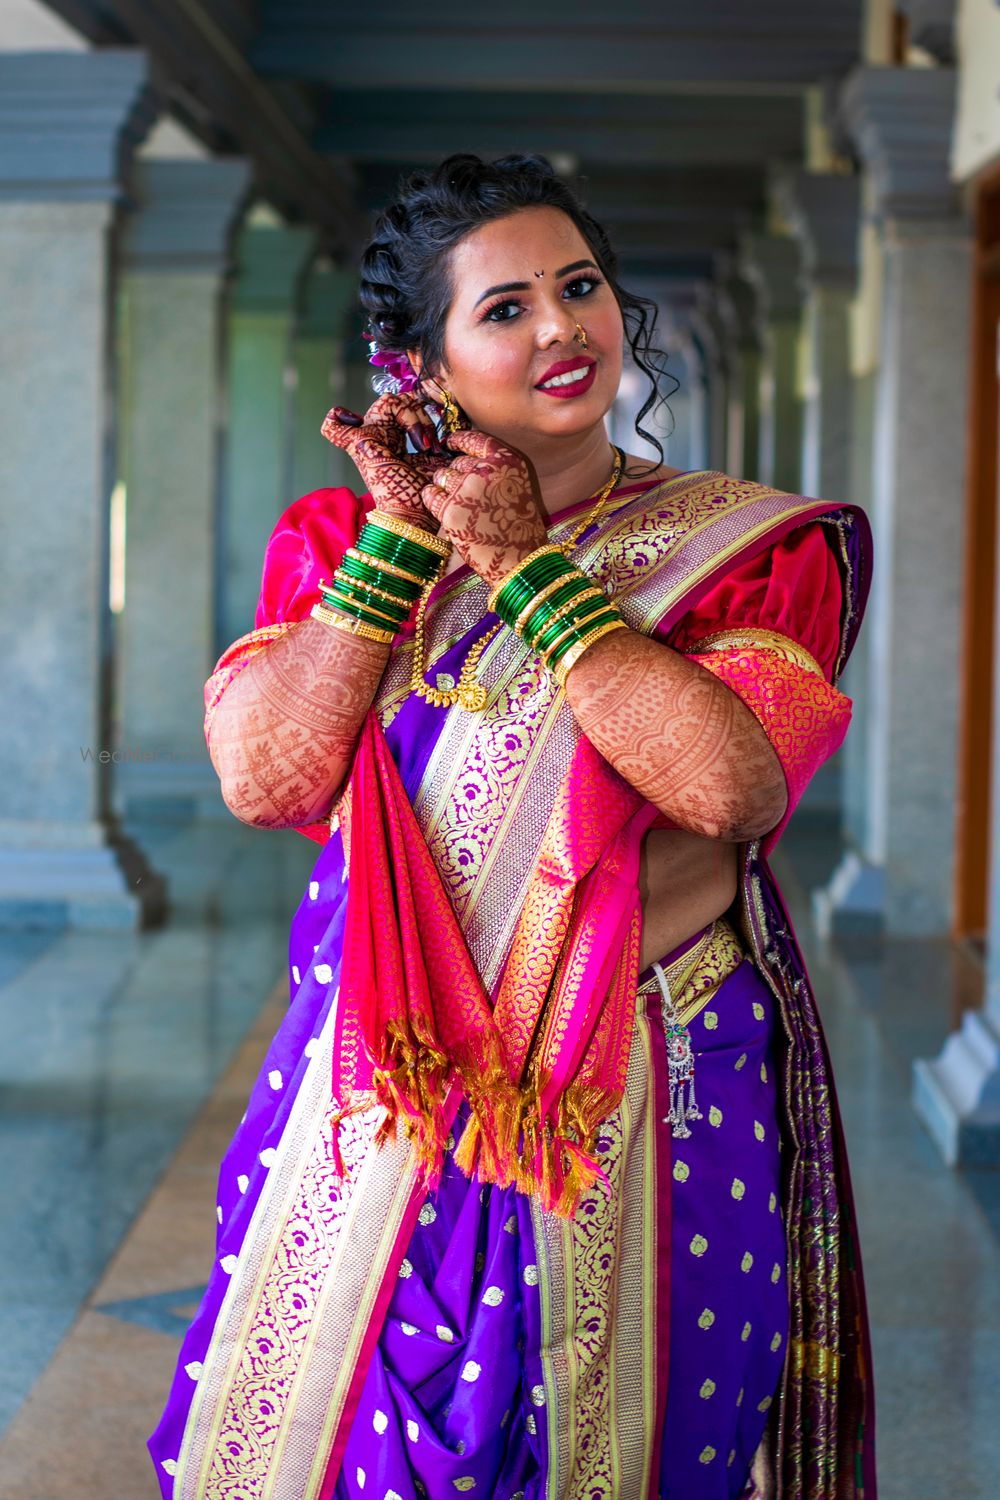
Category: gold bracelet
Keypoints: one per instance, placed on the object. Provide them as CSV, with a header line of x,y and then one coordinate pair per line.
x,y
391,568
352,626
550,547
553,646
369,588
370,609
569,608
541,596
561,669
412,533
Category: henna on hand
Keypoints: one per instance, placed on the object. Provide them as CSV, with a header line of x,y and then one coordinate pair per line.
x,y
680,736
284,733
485,502
377,445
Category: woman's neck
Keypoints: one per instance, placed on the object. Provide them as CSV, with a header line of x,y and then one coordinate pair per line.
x,y
567,474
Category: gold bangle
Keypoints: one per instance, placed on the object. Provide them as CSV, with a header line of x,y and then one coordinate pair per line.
x,y
361,604
561,670
386,567
592,592
370,588
352,626
519,568
412,533
541,596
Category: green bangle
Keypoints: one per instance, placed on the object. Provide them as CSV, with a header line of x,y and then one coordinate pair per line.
x,y
554,631
550,549
364,597
537,621
376,597
519,590
402,554
579,636
357,612
399,526
569,658
363,559
384,544
408,592
394,548
541,569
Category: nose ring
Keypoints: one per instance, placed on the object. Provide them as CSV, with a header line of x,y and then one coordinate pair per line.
x,y
581,335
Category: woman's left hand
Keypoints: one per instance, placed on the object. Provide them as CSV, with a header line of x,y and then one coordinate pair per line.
x,y
485,502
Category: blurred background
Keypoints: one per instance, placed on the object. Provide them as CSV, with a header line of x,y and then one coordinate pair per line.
x,y
811,194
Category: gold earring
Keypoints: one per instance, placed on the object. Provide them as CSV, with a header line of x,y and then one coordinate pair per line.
x,y
452,419
581,335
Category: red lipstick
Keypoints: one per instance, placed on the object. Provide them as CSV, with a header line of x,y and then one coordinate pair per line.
x,y
565,367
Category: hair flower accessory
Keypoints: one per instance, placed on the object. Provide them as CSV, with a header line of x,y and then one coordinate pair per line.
x,y
397,373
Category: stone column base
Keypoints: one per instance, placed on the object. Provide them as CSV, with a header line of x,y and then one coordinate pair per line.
x,y
165,791
76,875
957,1093
852,903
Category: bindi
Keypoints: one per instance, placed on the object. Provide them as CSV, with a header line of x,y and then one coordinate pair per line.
x,y
539,273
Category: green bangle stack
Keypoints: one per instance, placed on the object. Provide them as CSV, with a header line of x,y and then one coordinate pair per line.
x,y
379,581
522,586
555,608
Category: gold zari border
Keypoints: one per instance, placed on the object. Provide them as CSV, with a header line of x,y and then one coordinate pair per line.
x,y
757,638
694,978
818,1360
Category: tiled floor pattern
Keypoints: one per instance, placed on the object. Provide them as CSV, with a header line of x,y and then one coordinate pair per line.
x,y
105,1084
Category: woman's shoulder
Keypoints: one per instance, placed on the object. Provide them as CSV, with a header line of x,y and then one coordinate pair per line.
x,y
306,543
336,503
636,468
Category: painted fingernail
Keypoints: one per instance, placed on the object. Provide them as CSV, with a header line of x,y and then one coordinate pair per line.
x,y
349,418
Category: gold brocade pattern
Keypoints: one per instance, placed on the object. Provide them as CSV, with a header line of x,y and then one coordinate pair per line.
x,y
813,1441
272,1390
505,765
286,1306
694,978
816,1359
573,840
756,638
805,717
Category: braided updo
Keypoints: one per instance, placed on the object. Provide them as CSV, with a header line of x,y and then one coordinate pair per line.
x,y
406,286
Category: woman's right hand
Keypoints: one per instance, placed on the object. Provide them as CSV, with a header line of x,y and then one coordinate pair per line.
x,y
376,443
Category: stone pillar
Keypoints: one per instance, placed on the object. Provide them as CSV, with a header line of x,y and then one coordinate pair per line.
x,y
957,1093
713,338
69,122
175,250
823,211
320,378
900,120
687,445
257,481
773,264
743,459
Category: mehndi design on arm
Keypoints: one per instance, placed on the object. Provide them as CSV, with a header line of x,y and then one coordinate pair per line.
x,y
697,752
280,752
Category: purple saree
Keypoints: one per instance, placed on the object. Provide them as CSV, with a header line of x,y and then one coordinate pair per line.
x,y
702,1311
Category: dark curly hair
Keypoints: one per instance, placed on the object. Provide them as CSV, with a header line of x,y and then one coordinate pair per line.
x,y
405,281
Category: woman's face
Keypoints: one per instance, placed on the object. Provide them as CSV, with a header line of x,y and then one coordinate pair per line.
x,y
521,285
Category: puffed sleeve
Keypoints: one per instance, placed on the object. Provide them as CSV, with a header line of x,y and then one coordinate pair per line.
x,y
771,631
308,541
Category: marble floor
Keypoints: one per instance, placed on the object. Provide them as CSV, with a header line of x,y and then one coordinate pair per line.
x,y
125,1065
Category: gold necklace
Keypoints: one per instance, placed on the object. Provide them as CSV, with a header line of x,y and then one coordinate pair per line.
x,y
467,691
